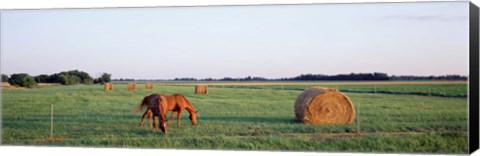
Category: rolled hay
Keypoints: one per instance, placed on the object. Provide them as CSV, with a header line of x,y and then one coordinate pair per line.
x,y
201,89
324,106
131,86
149,85
108,86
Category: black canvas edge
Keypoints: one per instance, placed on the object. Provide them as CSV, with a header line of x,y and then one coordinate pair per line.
x,y
473,80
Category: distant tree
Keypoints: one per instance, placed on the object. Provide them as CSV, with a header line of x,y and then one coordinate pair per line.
x,y
43,78
67,79
22,80
71,77
123,79
4,78
54,78
106,77
259,79
226,79
74,75
185,79
381,76
87,81
98,80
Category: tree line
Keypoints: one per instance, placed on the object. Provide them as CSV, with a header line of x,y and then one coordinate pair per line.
x,y
376,76
71,77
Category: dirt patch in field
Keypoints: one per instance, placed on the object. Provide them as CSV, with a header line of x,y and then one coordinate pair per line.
x,y
11,88
5,84
49,84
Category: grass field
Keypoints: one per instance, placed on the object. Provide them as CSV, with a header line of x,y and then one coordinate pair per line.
x,y
250,116
429,88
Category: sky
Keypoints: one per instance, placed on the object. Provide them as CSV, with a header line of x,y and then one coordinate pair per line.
x,y
271,41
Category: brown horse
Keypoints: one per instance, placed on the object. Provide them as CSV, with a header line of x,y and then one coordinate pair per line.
x,y
176,103
158,106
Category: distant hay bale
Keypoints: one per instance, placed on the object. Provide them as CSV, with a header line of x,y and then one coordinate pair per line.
x,y
201,89
324,106
149,85
108,86
131,86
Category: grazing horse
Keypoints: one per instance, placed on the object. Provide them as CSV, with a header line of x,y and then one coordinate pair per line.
x,y
156,105
176,103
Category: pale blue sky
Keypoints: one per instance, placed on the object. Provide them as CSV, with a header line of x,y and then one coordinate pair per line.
x,y
237,41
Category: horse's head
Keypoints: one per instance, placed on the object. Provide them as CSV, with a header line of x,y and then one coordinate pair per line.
x,y
162,104
193,117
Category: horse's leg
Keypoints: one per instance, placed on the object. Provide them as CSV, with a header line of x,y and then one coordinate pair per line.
x,y
178,117
150,116
171,116
163,122
143,119
154,122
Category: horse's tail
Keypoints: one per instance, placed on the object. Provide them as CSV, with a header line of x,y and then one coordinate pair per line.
x,y
138,108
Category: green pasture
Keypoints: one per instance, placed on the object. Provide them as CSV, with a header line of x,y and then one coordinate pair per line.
x,y
443,90
239,117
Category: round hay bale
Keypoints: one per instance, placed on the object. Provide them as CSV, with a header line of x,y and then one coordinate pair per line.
x,y
131,86
108,86
324,106
201,89
149,85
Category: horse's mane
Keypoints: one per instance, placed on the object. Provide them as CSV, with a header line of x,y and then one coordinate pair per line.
x,y
188,104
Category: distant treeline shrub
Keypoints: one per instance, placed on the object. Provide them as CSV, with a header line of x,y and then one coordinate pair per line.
x,y
352,76
4,78
249,78
103,79
126,79
43,78
22,80
71,77
376,76
443,77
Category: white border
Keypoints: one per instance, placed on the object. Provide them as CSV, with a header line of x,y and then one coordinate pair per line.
x,y
74,151
47,4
